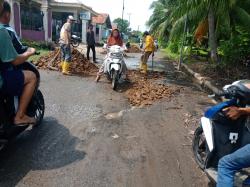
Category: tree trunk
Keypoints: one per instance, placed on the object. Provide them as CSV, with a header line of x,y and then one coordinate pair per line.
x,y
212,35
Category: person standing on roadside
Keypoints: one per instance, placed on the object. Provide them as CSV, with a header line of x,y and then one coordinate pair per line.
x,y
91,43
147,51
65,39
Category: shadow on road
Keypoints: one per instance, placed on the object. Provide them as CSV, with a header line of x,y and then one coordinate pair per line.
x,y
47,147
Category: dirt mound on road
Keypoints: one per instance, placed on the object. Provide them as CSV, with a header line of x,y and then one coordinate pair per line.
x,y
147,90
79,65
143,90
134,49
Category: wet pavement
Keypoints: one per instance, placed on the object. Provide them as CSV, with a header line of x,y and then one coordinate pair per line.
x,y
91,136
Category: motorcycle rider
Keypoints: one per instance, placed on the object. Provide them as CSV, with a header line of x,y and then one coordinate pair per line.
x,y
114,39
230,164
15,82
65,39
147,51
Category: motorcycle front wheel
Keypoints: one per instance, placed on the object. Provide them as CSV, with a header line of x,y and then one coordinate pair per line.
x,y
115,79
200,148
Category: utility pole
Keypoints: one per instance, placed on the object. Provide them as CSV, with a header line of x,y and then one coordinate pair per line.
x,y
122,16
183,41
129,16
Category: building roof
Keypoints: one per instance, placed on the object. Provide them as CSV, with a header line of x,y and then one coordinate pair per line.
x,y
73,3
101,19
70,1
114,26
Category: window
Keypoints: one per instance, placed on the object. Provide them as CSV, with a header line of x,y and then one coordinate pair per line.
x,y
31,17
97,30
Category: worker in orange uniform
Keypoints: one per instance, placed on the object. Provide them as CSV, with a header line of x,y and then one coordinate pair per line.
x,y
148,50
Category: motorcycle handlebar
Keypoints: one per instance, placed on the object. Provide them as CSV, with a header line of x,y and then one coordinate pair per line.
x,y
218,94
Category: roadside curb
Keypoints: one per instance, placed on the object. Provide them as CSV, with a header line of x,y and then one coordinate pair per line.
x,y
201,80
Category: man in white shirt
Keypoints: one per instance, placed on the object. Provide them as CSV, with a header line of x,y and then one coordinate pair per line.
x,y
65,39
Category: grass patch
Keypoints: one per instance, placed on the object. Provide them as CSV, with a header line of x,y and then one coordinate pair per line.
x,y
171,55
43,52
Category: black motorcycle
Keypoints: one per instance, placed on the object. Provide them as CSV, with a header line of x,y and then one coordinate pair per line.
x,y
75,41
218,135
9,105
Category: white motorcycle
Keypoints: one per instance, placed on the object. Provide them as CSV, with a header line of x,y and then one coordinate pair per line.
x,y
114,64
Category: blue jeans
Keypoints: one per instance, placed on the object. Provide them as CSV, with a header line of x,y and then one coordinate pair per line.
x,y
230,164
65,52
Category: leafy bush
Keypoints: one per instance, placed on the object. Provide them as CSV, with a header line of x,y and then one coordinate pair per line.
x,y
38,45
173,47
237,49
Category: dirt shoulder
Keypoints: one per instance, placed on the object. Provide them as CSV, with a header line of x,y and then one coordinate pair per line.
x,y
220,75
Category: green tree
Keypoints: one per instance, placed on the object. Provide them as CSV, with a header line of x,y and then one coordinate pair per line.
x,y
123,25
223,17
160,22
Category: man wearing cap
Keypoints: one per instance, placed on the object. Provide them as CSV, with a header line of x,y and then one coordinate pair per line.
x,y
65,39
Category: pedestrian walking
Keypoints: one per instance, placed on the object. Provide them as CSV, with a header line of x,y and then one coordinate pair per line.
x,y
147,51
91,43
65,39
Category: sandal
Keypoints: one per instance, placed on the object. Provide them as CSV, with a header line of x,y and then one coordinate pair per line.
x,y
24,124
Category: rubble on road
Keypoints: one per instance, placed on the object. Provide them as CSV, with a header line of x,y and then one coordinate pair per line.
x,y
134,49
145,90
79,64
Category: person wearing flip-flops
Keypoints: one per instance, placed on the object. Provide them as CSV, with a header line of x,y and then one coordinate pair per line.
x,y
15,82
240,159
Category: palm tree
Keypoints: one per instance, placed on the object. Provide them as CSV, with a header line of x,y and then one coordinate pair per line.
x,y
161,22
223,17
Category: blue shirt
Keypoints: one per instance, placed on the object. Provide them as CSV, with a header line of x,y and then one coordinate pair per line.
x,y
7,50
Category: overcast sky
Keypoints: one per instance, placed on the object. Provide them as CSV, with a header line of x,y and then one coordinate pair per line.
x,y
139,10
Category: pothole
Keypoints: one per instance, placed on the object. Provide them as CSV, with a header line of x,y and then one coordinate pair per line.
x,y
116,115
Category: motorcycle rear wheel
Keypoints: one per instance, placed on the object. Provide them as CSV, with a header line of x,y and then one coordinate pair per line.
x,y
200,148
39,107
75,44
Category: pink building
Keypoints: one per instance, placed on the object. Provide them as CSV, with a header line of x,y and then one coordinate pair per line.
x,y
39,20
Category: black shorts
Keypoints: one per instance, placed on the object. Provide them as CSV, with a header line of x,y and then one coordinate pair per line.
x,y
13,82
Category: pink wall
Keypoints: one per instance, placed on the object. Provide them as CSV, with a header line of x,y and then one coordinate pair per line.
x,y
33,35
49,23
17,19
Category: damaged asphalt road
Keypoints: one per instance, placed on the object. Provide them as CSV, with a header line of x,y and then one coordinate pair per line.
x,y
91,136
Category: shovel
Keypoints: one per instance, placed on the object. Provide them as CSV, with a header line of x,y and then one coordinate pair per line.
x,y
152,62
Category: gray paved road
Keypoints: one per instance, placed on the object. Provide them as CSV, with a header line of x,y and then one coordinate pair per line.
x,y
92,137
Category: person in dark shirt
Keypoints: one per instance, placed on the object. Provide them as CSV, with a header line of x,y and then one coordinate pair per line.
x,y
91,42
